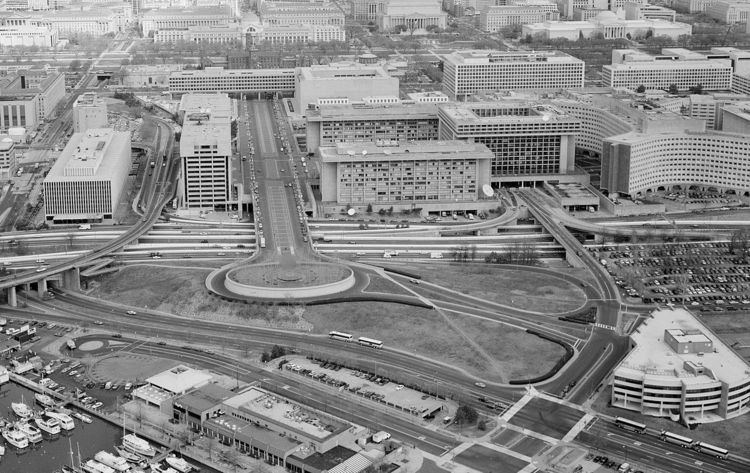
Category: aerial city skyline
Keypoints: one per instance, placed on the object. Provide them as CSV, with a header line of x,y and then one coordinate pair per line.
x,y
361,236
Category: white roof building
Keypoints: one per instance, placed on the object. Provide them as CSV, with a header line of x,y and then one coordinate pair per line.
x,y
180,379
608,24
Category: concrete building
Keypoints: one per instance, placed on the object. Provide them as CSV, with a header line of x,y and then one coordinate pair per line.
x,y
89,111
736,118
217,79
470,72
88,179
282,34
710,108
7,158
425,174
608,24
637,163
729,11
530,143
413,14
232,33
341,82
205,150
645,11
161,389
175,18
494,18
29,97
692,6
678,366
675,66
428,97
400,122
299,13
367,10
568,8
148,75
40,36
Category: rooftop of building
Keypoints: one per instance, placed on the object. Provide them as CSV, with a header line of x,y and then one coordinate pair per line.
x,y
198,12
387,150
653,356
286,413
204,397
740,109
220,71
503,112
6,143
483,56
179,379
342,70
283,7
636,137
357,110
90,154
259,435
89,99
216,103
325,461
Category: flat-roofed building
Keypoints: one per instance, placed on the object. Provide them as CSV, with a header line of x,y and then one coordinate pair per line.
x,y
87,181
178,17
645,11
678,365
729,11
529,142
413,14
471,72
205,150
494,18
609,25
300,13
232,33
149,75
217,79
282,34
29,97
400,122
426,174
40,36
428,97
199,405
89,111
7,157
736,118
344,81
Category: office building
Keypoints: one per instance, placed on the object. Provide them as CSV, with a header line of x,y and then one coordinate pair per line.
x,y
524,12
282,34
682,68
710,108
176,18
678,366
40,36
530,143
692,6
568,8
412,14
205,150
736,118
428,97
89,111
217,79
470,72
88,179
644,11
7,158
298,13
399,122
209,34
341,82
149,75
607,24
729,11
367,10
29,97
427,174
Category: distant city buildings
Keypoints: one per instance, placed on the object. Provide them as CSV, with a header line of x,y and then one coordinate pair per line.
x,y
467,73
609,26
217,79
182,18
283,34
205,150
679,368
411,14
7,158
149,75
87,181
40,36
517,12
209,34
644,11
29,97
89,111
301,13
729,11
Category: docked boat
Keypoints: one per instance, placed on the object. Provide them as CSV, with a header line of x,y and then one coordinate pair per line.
x,y
2,450
138,445
128,455
179,464
4,375
157,468
44,400
21,410
82,417
48,425
32,433
93,466
65,421
112,461
67,469
15,438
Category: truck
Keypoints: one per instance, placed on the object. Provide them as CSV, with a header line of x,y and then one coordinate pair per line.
x,y
153,163
436,255
71,344
380,436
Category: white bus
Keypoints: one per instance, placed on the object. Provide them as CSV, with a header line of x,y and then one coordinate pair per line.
x,y
370,342
684,442
709,449
630,425
340,336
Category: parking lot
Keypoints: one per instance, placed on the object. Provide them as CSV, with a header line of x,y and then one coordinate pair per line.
x,y
707,276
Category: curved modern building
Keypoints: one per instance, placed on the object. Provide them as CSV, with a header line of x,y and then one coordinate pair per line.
x,y
635,163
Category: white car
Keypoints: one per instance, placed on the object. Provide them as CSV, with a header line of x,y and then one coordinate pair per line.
x,y
131,312
480,384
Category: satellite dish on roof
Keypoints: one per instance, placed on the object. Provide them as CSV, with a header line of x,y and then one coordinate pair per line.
x,y
487,190
351,212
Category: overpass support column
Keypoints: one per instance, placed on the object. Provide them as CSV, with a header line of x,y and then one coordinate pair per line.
x,y
72,279
42,287
599,239
12,297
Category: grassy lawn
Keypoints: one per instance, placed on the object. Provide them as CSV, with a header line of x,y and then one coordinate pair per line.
x,y
429,466
381,284
482,458
733,434
513,287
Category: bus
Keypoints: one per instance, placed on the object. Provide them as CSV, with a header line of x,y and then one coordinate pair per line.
x,y
709,449
630,425
340,336
370,342
684,442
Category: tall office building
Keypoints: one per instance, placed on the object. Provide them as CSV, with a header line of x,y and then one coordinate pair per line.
x,y
87,181
89,111
7,157
470,72
530,143
205,150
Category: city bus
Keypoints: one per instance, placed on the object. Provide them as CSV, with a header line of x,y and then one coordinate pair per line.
x,y
340,336
709,449
630,425
684,442
370,342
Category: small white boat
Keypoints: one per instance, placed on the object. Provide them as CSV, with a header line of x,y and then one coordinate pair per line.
x,y
21,410
157,468
48,425
65,421
92,466
138,445
44,400
33,434
82,417
179,464
128,455
15,438
112,461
